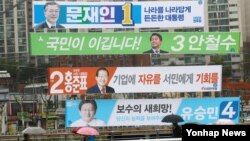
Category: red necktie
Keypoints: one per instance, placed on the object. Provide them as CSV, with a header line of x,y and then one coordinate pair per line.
x,y
103,90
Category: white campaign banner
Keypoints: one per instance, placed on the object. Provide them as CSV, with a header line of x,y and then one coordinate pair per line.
x,y
135,79
167,79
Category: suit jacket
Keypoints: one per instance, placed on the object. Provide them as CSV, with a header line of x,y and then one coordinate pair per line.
x,y
152,51
95,89
45,25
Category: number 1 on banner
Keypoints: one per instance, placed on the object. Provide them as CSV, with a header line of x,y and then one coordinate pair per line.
x,y
229,109
127,12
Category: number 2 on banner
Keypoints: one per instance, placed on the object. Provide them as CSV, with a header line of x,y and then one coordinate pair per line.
x,y
54,89
229,110
127,14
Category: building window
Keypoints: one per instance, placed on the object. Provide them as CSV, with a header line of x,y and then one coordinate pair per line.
x,y
212,15
212,8
21,21
1,7
9,21
20,7
233,12
21,27
223,7
73,30
212,29
188,60
233,20
1,42
9,14
223,14
224,28
1,49
11,48
211,1
21,34
222,1
213,22
20,13
22,48
234,27
224,22
10,28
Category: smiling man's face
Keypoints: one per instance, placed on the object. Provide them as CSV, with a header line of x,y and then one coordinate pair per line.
x,y
52,13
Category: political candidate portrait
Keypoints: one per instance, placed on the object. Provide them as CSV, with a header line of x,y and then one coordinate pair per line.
x,y
155,40
87,110
101,83
51,13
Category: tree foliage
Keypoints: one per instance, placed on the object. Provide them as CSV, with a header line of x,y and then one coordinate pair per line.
x,y
10,66
219,60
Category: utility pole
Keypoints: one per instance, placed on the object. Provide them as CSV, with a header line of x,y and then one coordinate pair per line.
x,y
33,101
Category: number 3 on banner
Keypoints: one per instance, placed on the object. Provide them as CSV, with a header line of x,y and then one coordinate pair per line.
x,y
229,109
127,14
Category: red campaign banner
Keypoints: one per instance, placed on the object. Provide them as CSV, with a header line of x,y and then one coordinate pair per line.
x,y
74,80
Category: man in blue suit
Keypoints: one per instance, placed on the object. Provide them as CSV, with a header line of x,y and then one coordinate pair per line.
x,y
155,40
101,86
51,13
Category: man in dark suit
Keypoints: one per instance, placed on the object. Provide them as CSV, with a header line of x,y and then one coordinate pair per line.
x,y
51,13
155,40
101,86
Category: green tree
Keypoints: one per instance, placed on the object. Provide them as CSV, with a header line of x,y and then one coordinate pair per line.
x,y
10,66
27,73
43,71
219,60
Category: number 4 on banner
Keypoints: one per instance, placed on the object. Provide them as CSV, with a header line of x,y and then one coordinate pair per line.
x,y
229,109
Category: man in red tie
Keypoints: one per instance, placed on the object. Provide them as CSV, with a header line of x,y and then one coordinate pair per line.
x,y
101,86
103,91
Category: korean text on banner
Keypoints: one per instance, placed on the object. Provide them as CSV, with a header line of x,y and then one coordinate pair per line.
x,y
133,43
133,112
124,15
135,79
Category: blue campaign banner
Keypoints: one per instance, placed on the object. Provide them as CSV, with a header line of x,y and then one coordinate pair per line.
x,y
118,14
135,112
40,17
104,109
208,110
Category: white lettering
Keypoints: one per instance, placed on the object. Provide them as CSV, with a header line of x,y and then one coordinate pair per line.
x,y
203,133
226,132
189,131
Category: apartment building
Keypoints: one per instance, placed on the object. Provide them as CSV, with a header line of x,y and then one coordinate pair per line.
x,y
16,23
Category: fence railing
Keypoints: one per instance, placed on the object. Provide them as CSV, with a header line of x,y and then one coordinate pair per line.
x,y
147,134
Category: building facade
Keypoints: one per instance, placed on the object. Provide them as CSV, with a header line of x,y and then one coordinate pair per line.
x,y
16,23
220,16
